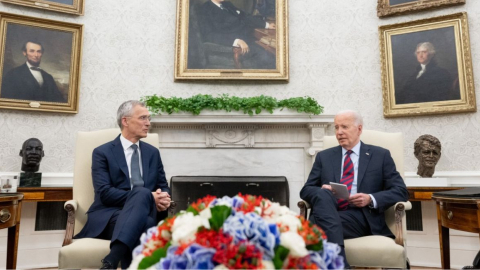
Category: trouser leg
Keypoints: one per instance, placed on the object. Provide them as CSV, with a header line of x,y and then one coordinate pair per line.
x,y
137,214
325,214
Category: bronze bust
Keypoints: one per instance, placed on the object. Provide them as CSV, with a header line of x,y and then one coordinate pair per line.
x,y
31,153
427,150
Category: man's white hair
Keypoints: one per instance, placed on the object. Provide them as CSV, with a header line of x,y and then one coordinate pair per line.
x,y
357,117
427,45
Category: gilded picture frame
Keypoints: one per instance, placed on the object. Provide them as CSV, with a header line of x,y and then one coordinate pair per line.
x,y
39,64
387,8
208,40
427,67
76,7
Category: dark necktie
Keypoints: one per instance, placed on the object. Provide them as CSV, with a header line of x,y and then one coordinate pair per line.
x,y
347,178
35,68
136,178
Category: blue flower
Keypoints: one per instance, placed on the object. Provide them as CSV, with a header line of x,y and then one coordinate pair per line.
x,y
253,228
330,256
194,257
144,239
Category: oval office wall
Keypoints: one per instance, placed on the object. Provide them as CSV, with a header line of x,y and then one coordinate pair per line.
x,y
334,57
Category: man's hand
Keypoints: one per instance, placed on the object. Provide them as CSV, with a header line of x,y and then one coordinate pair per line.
x,y
162,200
360,200
329,188
271,26
244,46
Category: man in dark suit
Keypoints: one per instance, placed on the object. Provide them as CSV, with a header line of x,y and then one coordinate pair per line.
x,y
370,173
130,186
223,23
29,81
428,82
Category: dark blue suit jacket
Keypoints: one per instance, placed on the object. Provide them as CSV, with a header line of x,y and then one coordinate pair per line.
x,y
377,176
111,182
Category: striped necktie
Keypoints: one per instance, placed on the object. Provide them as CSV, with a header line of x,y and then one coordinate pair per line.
x,y
347,178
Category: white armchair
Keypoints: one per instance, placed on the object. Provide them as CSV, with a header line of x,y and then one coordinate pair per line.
x,y
374,250
86,252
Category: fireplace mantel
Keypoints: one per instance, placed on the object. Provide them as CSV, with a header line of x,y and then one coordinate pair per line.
x,y
218,129
235,144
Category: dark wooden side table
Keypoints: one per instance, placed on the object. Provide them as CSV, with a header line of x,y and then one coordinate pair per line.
x,y
455,213
10,211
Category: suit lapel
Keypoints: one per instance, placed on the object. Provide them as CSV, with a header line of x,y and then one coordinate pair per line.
x,y
337,161
119,155
145,154
363,159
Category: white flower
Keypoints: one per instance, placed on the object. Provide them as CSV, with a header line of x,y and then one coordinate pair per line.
x,y
294,243
292,222
205,215
184,228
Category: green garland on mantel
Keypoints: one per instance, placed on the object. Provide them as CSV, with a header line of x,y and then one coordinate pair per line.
x,y
251,105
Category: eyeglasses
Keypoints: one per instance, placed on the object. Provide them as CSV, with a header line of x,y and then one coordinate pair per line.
x,y
143,118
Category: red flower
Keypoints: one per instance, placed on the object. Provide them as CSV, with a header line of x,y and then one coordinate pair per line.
x,y
160,239
300,263
311,233
203,203
240,256
250,202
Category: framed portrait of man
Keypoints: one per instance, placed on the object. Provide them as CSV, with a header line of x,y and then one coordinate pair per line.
x,y
397,7
231,40
76,7
39,64
427,67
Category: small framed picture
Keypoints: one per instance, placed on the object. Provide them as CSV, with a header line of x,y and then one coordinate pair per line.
x,y
427,67
232,40
39,64
397,7
67,6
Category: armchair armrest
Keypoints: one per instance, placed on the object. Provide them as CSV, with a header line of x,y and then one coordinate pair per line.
x,y
70,207
304,206
400,209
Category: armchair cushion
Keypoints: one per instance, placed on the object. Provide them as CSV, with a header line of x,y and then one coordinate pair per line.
x,y
375,251
83,253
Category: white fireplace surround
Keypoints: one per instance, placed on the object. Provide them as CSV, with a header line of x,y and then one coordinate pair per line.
x,y
236,144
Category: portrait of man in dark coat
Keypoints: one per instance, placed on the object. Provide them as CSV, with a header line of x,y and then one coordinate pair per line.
x,y
429,82
29,81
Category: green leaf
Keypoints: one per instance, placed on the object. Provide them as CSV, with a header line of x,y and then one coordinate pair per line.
x,y
220,213
192,210
317,247
281,254
154,258
249,105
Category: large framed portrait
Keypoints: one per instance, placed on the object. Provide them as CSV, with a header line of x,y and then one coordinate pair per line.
x,y
39,64
397,7
67,6
427,67
232,40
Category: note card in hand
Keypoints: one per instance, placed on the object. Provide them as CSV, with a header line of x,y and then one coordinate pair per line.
x,y
341,190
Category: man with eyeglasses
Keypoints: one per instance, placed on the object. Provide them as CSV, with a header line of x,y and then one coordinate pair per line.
x,y
131,191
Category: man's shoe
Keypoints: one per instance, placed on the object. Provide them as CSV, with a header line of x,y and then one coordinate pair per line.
x,y
107,265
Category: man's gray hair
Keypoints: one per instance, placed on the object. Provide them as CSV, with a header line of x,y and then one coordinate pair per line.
x,y
427,45
357,117
126,109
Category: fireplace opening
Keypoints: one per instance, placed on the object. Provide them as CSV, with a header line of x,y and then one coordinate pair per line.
x,y
188,189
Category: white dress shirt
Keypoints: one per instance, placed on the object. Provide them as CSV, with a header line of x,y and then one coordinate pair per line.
x,y
421,71
355,156
36,73
128,150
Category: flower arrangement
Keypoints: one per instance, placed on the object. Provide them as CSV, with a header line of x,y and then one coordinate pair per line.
x,y
243,232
